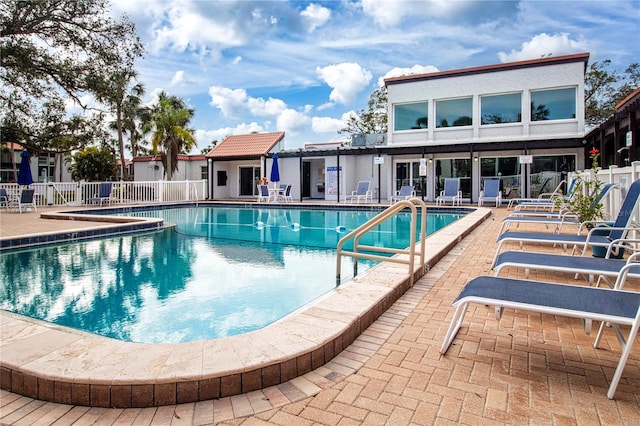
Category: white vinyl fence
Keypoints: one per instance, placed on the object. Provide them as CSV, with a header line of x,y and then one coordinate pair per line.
x,y
81,193
623,176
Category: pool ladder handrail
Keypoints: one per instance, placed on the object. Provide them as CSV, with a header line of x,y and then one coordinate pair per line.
x,y
389,212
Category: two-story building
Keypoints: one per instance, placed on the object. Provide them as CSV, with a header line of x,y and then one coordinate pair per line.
x,y
522,122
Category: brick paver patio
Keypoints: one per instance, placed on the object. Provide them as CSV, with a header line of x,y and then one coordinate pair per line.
x,y
525,369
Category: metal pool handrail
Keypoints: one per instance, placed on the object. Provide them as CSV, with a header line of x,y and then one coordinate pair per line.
x,y
357,233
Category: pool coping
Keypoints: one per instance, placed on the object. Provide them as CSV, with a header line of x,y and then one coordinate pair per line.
x,y
54,363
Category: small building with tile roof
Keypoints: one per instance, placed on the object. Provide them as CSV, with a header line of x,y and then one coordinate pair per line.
x,y
237,164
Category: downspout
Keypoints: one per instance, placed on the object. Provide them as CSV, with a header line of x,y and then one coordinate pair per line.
x,y
338,172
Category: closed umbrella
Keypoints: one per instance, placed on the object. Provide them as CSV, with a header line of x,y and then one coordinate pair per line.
x,y
24,173
275,171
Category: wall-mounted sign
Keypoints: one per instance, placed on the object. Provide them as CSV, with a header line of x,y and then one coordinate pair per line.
x,y
628,138
378,160
526,159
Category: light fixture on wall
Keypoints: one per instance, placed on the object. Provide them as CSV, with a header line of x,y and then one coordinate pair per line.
x,y
430,160
475,159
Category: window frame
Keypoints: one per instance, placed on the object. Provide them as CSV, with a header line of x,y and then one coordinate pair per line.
x,y
554,89
406,104
468,99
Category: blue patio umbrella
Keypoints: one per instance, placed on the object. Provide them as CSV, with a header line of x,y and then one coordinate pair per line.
x,y
275,171
24,173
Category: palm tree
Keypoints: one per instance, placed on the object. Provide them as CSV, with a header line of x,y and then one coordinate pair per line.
x,y
169,120
131,114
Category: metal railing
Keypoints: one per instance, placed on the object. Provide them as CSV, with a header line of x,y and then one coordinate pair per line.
x,y
80,193
363,229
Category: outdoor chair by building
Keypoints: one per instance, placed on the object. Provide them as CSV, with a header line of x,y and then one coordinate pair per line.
x,y
404,193
264,194
25,201
451,192
362,193
103,195
491,192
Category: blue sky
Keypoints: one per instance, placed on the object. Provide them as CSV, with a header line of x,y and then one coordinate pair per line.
x,y
302,67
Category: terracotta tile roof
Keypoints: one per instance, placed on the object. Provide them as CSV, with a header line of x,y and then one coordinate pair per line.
x,y
252,145
551,60
628,98
16,145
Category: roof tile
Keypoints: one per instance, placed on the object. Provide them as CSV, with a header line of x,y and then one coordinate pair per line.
x,y
252,145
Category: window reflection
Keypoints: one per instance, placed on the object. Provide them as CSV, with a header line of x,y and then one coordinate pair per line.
x,y
411,116
498,109
454,112
556,104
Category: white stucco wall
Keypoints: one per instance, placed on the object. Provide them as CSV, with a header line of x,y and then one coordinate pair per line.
x,y
523,80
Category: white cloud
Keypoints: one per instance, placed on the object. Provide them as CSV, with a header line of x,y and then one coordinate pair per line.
x,y
346,80
544,45
416,69
326,105
327,124
390,13
182,28
315,16
230,102
292,122
269,108
178,77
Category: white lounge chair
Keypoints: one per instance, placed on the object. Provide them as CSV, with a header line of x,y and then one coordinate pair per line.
x,y
404,193
545,199
621,226
451,192
491,192
612,306
362,193
558,218
607,268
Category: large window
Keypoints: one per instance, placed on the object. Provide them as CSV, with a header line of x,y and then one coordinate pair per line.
x,y
507,169
556,104
411,116
497,109
454,112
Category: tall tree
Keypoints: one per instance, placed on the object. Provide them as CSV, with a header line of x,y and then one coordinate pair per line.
x,y
124,99
55,50
371,121
169,120
604,88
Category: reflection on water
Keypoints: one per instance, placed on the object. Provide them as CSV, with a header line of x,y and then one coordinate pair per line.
x,y
220,272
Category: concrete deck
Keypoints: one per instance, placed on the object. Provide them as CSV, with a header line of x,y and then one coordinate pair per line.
x,y
527,368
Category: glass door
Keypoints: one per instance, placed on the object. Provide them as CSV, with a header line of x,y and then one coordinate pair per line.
x,y
249,177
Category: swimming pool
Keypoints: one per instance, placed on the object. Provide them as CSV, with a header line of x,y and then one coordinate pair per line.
x,y
219,272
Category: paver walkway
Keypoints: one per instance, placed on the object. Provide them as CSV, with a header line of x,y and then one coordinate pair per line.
x,y
525,369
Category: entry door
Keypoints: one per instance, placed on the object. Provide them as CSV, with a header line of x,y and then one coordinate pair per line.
x,y
249,177
306,179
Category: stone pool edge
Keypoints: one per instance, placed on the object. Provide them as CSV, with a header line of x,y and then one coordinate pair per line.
x,y
52,363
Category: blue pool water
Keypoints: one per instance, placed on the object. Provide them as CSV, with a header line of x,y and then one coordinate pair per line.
x,y
218,272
